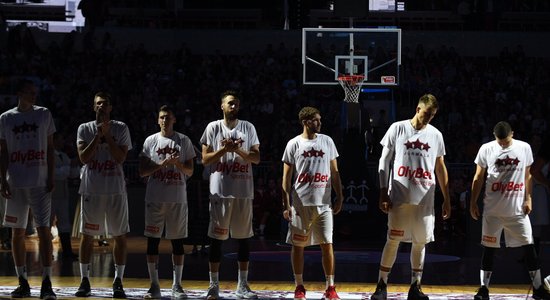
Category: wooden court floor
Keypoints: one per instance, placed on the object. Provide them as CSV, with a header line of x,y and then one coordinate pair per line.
x,y
270,275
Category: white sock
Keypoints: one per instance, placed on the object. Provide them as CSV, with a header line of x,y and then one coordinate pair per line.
x,y
178,270
119,271
299,279
214,278
416,277
47,272
384,276
330,280
243,276
485,277
153,269
535,278
84,270
21,271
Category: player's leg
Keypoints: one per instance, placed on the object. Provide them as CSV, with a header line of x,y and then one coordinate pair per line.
x,y
491,231
242,230
117,224
518,233
218,231
176,231
16,217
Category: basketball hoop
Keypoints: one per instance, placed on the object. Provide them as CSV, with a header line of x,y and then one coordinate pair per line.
x,y
352,86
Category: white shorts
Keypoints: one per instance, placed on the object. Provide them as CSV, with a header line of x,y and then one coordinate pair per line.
x,y
517,231
310,225
230,216
17,207
411,223
166,216
99,211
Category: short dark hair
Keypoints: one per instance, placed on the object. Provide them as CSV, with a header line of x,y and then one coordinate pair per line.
x,y
22,84
167,108
502,130
429,100
104,95
230,93
307,113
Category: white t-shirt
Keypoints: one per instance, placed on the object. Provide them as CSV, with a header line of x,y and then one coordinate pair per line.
x,y
311,163
505,183
102,175
167,184
231,176
413,174
26,135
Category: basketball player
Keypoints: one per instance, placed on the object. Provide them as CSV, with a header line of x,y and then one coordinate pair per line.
x,y
311,156
229,147
102,147
167,158
27,180
507,203
415,149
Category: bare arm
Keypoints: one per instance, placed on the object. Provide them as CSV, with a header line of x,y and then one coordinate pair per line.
x,y
253,155
210,156
477,185
288,169
87,151
4,186
336,186
443,180
118,152
384,168
527,204
50,164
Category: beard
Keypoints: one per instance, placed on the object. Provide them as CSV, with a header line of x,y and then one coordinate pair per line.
x,y
231,116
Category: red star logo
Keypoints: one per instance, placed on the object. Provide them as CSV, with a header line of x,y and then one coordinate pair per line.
x,y
313,153
166,150
508,161
417,145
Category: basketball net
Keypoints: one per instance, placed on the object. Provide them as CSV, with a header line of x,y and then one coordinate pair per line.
x,y
352,87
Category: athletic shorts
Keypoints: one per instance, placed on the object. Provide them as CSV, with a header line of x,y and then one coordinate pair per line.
x,y
99,211
517,231
411,223
37,199
230,216
166,216
310,225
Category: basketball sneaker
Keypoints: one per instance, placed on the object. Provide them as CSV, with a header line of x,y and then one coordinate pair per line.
x,y
415,292
23,290
46,291
300,293
244,292
213,292
178,292
381,292
118,290
153,292
330,293
541,292
482,293
84,289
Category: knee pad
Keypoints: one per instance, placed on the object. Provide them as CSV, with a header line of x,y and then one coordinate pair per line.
x,y
487,258
389,254
244,250
177,247
215,253
531,260
153,246
418,254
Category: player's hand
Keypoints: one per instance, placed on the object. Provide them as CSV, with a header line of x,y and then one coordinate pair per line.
x,y
50,185
5,189
446,210
229,145
337,206
474,211
384,203
287,214
527,207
